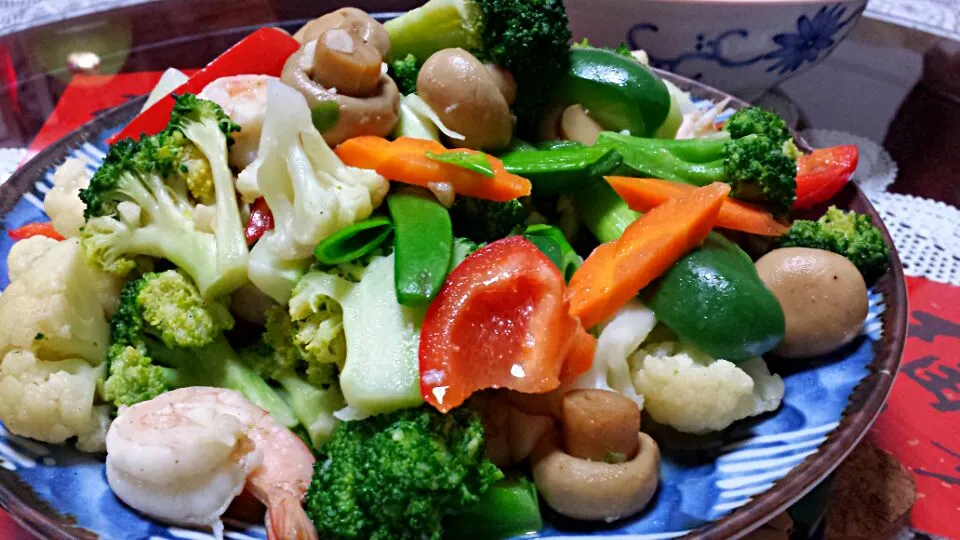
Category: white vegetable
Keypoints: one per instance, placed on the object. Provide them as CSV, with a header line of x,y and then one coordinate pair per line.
x,y
619,338
419,109
169,81
57,304
310,192
52,401
702,123
694,393
62,202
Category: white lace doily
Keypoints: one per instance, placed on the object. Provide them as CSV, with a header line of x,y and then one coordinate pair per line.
x,y
9,161
926,232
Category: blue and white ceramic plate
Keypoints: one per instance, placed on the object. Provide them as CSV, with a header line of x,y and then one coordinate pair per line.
x,y
716,486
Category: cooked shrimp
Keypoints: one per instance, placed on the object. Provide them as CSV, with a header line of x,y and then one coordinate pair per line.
x,y
183,456
244,99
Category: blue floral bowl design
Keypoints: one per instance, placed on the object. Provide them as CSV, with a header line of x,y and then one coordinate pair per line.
x,y
743,47
715,486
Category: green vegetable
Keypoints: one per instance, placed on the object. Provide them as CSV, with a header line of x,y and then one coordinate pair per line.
x,y
325,115
313,395
416,120
528,38
165,336
563,170
850,234
397,476
551,241
462,248
712,297
140,201
471,161
354,241
377,352
759,168
481,220
620,93
423,243
757,121
508,509
558,144
517,145
622,48
404,72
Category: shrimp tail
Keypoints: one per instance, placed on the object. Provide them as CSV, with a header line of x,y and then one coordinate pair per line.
x,y
286,520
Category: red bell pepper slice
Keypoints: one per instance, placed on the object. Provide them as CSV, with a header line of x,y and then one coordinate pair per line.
x,y
259,222
822,173
34,229
501,320
263,52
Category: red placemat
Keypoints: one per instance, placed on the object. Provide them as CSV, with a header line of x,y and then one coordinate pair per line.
x,y
920,424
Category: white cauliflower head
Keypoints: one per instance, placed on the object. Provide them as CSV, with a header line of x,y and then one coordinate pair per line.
x,y
63,203
56,304
694,393
52,401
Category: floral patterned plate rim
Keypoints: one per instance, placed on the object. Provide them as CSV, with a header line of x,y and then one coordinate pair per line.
x,y
718,486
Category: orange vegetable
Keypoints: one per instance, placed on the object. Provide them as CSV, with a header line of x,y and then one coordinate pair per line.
x,y
643,194
44,228
405,160
617,270
580,356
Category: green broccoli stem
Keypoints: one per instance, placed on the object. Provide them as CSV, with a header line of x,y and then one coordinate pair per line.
x,y
436,25
602,211
218,365
507,509
313,407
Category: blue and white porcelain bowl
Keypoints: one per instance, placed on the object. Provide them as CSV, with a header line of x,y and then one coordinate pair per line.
x,y
743,47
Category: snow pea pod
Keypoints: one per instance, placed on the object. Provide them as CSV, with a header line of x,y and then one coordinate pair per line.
x,y
353,242
423,239
563,169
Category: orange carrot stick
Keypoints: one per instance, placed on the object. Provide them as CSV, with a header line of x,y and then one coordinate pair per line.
x,y
643,194
617,270
405,160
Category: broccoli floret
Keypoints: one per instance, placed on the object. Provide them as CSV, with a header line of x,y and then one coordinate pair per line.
x,y
528,38
309,387
485,221
139,202
850,234
759,165
757,121
622,48
404,72
397,475
164,336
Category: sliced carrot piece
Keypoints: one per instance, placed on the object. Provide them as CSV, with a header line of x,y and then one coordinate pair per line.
x,y
617,270
405,160
643,194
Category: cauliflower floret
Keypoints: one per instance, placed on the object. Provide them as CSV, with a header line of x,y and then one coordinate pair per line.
x,y
63,203
694,393
52,401
618,339
57,304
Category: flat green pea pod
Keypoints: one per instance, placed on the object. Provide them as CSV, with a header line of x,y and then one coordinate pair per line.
x,y
551,241
423,243
562,169
353,242
713,298
620,93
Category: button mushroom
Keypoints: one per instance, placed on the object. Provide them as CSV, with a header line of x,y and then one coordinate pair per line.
x,y
576,125
339,56
595,490
467,97
823,296
354,20
599,425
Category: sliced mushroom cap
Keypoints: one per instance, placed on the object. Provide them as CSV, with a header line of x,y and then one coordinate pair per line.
x,y
375,114
594,490
467,98
352,19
